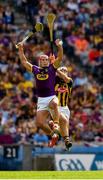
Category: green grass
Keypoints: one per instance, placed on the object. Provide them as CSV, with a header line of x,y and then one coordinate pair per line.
x,y
51,175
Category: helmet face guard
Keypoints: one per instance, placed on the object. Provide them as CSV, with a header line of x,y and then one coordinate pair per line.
x,y
63,68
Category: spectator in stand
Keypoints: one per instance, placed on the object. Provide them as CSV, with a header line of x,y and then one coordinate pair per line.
x,y
81,46
5,137
8,15
80,80
96,115
93,55
40,139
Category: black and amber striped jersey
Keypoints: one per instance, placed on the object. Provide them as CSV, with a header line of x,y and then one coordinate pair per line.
x,y
63,91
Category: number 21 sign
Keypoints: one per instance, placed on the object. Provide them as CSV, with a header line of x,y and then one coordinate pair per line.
x,y
10,152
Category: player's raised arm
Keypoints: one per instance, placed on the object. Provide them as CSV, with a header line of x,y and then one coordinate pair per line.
x,y
23,59
60,53
64,75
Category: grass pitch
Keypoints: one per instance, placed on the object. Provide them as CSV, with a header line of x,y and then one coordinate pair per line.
x,y
51,175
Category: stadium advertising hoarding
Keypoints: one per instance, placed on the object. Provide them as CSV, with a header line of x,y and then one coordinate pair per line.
x,y
74,162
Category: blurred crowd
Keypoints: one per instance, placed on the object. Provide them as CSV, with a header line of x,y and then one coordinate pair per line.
x,y
79,23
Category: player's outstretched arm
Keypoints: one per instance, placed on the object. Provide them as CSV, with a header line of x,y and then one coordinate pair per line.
x,y
60,53
64,77
23,59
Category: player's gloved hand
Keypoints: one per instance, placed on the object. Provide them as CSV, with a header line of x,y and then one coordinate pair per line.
x,y
58,42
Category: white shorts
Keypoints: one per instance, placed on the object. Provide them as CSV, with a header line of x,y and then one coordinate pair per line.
x,y
43,103
65,111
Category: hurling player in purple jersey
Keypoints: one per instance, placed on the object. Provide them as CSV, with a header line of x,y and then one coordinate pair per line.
x,y
45,74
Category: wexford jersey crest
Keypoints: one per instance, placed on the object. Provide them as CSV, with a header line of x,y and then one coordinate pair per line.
x,y
42,76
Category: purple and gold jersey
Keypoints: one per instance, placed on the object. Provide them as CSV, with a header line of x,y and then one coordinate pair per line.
x,y
45,80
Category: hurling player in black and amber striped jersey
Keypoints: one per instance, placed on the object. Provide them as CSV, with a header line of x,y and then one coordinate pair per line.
x,y
63,89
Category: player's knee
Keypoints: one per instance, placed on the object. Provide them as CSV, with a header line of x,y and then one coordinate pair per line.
x,y
39,124
63,119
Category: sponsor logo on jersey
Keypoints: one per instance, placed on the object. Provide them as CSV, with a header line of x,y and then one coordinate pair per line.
x,y
62,89
42,76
